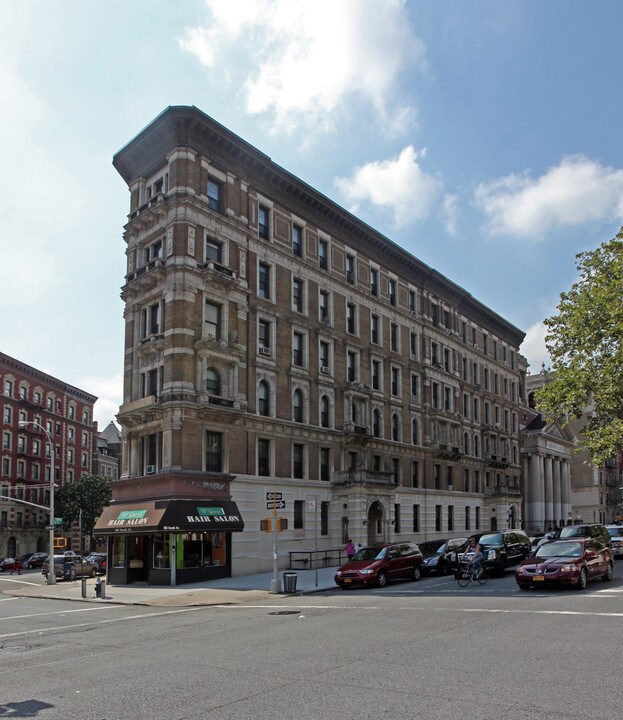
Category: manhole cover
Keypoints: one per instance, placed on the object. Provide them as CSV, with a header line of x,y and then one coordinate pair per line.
x,y
285,612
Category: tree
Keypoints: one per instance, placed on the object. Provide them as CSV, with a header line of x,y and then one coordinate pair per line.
x,y
585,344
91,495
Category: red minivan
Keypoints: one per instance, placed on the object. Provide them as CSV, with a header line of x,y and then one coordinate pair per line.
x,y
377,564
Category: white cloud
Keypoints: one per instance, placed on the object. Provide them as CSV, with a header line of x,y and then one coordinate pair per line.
x,y
577,191
301,61
451,213
533,347
399,184
109,392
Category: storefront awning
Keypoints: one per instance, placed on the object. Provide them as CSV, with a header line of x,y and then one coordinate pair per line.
x,y
169,516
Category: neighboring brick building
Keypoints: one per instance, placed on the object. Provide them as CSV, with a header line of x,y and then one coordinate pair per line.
x,y
275,343
66,412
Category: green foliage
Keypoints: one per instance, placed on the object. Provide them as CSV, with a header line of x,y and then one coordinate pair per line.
x,y
584,341
91,495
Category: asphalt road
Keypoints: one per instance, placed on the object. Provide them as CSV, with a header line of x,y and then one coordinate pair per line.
x,y
412,650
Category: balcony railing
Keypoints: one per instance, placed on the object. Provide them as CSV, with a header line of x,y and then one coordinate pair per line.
x,y
361,476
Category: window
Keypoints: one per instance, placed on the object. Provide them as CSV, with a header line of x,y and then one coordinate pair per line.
x,y
298,349
395,374
213,382
323,254
376,375
438,518
151,320
351,366
263,336
6,440
325,464
376,423
298,292
324,518
396,471
412,302
8,388
374,282
415,388
351,318
8,414
213,251
450,517
213,320
263,457
477,519
6,470
393,297
214,452
397,517
413,343
298,514
263,398
263,219
297,240
324,307
437,476
215,195
415,432
415,474
393,335
325,417
297,461
375,325
350,269
297,406
263,281
468,518
416,518
324,356
395,428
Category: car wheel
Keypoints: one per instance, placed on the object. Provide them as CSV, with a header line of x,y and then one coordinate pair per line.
x,y
607,576
523,586
93,573
417,573
30,566
582,580
444,569
381,579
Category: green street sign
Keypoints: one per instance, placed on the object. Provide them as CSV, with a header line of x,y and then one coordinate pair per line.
x,y
58,521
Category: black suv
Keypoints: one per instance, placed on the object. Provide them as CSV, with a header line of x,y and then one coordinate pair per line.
x,y
592,530
505,548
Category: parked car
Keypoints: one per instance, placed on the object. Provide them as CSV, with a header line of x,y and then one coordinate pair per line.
x,y
616,538
566,562
505,548
10,564
70,566
377,564
25,557
592,530
36,560
437,554
100,560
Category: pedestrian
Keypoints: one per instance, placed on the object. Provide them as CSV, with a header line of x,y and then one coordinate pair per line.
x,y
17,567
349,548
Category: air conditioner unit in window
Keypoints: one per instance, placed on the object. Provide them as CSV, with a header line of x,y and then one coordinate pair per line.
x,y
264,350
150,470
475,346
325,370
450,488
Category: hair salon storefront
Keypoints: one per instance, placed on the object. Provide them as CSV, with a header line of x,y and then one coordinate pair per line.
x,y
169,542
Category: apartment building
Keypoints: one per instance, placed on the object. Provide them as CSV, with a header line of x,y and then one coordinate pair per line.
x,y
47,426
282,355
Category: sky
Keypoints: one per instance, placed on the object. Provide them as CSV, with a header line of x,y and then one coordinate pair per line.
x,y
483,137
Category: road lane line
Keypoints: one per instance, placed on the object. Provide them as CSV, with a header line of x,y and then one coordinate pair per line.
x,y
59,612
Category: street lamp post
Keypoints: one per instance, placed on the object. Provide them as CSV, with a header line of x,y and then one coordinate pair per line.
x,y
51,567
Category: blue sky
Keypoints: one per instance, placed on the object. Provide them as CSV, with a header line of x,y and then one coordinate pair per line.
x,y
483,137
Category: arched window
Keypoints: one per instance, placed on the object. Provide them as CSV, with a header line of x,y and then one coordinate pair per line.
x,y
376,423
415,432
324,412
297,406
263,398
476,446
395,427
213,382
465,443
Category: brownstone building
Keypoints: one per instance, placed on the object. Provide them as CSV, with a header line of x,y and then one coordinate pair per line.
x,y
32,400
278,347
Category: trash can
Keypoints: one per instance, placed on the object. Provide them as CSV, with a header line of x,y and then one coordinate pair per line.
x,y
289,582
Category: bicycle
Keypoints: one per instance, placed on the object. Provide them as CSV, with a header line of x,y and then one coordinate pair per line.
x,y
467,574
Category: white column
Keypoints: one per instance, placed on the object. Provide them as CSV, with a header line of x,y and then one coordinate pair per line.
x,y
565,494
549,493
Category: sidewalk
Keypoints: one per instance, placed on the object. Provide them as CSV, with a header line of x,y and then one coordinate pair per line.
x,y
228,591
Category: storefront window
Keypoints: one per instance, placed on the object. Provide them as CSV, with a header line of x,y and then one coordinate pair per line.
x,y
136,551
118,551
201,549
161,551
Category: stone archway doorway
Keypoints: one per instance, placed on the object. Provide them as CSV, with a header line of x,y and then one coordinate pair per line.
x,y
376,526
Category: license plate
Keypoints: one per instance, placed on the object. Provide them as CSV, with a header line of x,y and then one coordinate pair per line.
x,y
346,580
539,578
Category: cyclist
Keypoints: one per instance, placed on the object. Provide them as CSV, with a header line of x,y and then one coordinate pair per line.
x,y
478,557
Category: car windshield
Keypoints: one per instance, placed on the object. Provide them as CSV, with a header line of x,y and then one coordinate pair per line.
x,y
370,553
560,549
570,531
432,547
491,539
615,531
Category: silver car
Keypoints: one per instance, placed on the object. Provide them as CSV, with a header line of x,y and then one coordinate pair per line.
x,y
616,535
